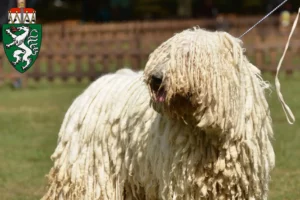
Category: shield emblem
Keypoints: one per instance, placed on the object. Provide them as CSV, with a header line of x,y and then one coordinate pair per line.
x,y
22,38
22,43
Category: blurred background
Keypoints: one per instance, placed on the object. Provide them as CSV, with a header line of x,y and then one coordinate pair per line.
x,y
84,39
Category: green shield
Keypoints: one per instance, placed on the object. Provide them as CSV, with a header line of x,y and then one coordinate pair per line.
x,y
22,43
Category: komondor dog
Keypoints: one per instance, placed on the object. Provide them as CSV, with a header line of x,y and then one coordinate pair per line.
x,y
194,125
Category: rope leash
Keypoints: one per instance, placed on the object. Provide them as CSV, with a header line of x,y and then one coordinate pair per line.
x,y
287,111
263,18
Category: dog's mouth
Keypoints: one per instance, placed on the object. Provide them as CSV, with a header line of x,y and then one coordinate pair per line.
x,y
160,96
158,89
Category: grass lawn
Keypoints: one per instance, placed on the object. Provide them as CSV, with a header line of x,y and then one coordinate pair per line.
x,y
30,120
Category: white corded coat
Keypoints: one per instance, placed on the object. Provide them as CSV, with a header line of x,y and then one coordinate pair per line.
x,y
113,146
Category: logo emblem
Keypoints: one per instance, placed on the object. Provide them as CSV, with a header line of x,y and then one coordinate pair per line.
x,y
22,38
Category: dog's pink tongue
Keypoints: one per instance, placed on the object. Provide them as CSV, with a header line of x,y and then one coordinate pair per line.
x,y
161,96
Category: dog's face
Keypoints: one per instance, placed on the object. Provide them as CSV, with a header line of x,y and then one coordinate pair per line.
x,y
184,73
170,80
165,99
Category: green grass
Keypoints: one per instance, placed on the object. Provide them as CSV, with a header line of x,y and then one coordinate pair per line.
x,y
285,182
30,120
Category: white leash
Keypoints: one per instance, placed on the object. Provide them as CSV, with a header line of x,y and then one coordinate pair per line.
x,y
288,112
263,18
